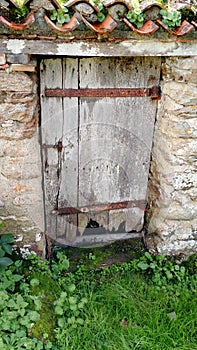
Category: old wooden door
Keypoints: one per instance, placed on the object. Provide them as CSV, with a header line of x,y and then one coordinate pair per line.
x,y
96,149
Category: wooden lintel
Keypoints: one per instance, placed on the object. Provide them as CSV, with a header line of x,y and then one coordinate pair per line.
x,y
153,92
101,207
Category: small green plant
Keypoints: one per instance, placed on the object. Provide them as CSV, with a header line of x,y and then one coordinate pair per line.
x,y
60,265
91,256
6,241
69,308
20,2
61,16
171,18
101,15
17,316
9,280
33,263
136,16
189,14
165,272
18,14
19,310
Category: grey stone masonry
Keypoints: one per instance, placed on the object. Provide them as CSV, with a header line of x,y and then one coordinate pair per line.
x,y
172,218
21,207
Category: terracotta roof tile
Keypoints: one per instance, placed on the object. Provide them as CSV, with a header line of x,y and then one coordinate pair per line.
x,y
82,18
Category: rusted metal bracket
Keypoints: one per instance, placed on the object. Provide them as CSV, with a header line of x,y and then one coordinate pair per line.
x,y
58,146
45,148
101,207
153,92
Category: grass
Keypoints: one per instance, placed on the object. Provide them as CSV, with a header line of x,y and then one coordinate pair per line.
x,y
144,303
125,312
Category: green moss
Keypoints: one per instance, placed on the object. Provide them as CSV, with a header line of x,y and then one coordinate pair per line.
x,y
48,290
117,252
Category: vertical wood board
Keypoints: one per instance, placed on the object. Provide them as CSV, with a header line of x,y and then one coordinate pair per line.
x,y
68,191
51,132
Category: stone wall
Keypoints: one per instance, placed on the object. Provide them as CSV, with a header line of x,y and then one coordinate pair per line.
x,y
172,195
21,207
172,218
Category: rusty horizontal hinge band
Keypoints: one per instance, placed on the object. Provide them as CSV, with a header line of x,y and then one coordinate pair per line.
x,y
101,207
153,92
58,146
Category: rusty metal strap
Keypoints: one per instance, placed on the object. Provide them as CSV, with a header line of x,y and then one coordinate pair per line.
x,y
101,207
153,92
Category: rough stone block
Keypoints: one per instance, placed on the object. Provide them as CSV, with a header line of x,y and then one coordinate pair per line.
x,y
4,3
15,82
19,112
172,223
186,96
46,4
22,59
2,59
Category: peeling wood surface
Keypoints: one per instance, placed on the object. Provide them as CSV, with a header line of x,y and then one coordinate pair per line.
x,y
96,151
116,48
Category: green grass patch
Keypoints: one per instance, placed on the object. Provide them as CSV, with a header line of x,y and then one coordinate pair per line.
x,y
128,313
141,304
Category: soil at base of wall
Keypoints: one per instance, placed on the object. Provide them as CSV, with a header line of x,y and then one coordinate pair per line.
x,y
116,253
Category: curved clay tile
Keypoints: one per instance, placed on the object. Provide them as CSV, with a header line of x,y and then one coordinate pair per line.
x,y
183,29
56,4
127,3
107,26
26,23
65,28
144,5
70,3
194,24
149,27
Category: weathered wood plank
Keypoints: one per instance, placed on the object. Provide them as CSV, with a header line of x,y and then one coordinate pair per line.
x,y
123,220
116,137
92,163
52,116
68,191
51,130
